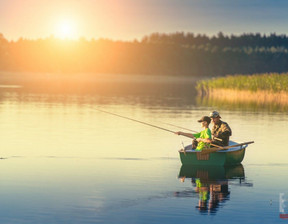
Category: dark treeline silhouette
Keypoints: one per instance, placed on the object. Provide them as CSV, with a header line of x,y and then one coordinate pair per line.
x,y
244,40
160,54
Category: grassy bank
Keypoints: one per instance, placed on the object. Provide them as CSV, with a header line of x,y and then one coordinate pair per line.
x,y
273,82
259,88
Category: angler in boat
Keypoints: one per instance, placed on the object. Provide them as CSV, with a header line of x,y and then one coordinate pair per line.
x,y
201,139
221,131
217,155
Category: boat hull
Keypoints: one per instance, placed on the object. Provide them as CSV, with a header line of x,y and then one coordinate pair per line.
x,y
229,157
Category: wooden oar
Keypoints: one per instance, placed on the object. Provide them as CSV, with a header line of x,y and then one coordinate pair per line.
x,y
217,146
209,150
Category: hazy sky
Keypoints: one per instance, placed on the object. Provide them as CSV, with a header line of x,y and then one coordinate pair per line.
x,y
130,19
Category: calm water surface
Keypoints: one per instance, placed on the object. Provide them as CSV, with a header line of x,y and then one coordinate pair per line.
x,y
64,161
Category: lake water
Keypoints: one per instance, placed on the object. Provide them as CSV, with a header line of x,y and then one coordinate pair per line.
x,y
64,161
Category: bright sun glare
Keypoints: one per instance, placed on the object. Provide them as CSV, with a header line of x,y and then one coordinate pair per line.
x,y
66,29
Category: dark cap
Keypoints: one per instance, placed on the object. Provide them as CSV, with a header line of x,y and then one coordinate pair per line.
x,y
214,114
205,118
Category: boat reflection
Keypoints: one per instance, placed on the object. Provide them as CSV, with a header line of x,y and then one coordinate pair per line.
x,y
211,184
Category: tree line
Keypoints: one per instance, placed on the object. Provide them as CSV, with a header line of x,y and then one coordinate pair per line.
x,y
179,54
220,40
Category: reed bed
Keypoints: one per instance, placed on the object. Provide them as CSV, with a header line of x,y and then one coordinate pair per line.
x,y
260,88
272,82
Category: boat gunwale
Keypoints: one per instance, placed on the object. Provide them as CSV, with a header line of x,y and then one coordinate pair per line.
x,y
232,149
220,151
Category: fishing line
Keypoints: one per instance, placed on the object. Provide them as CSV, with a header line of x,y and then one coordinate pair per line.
x,y
131,119
180,127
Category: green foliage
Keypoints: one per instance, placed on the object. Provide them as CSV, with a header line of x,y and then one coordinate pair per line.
x,y
273,82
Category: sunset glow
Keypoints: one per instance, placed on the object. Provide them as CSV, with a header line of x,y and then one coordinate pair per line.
x,y
130,19
66,29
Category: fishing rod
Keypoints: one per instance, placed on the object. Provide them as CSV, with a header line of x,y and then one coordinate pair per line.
x,y
219,139
131,119
151,125
187,129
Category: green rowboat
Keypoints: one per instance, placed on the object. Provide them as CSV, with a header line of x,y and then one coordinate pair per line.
x,y
229,155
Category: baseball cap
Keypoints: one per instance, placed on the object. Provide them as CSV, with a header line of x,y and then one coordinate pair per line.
x,y
214,114
205,118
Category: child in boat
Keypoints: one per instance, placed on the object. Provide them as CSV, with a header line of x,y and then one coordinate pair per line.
x,y
204,137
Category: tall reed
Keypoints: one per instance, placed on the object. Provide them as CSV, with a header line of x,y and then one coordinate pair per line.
x,y
272,82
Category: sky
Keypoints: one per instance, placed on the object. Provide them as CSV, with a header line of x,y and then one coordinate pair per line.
x,y
133,19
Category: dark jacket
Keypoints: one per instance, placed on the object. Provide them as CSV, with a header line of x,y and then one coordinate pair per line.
x,y
221,131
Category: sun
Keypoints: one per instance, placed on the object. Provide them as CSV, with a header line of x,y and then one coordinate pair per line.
x,y
66,29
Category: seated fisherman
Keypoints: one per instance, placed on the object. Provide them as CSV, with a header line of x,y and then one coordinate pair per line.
x,y
220,130
203,138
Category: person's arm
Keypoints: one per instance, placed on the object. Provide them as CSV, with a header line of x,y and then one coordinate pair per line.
x,y
189,135
206,140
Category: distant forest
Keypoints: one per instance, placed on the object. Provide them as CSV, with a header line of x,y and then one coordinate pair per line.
x,y
179,54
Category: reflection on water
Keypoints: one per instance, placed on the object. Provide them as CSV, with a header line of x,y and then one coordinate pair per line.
x,y
211,183
240,105
166,94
